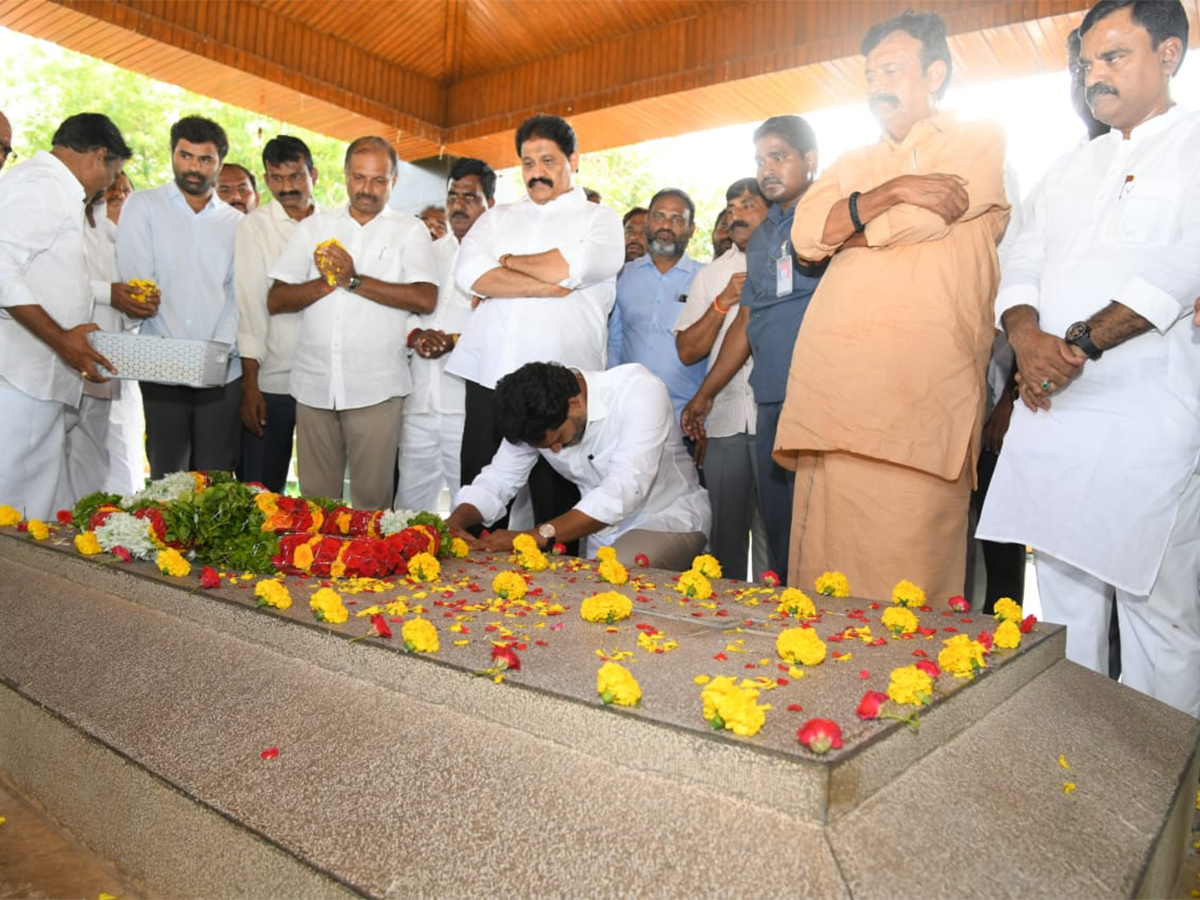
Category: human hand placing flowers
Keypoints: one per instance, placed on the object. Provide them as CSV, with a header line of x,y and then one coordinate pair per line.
x,y
334,263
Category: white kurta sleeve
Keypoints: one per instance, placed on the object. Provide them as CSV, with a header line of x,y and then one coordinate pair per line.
x,y
600,254
494,488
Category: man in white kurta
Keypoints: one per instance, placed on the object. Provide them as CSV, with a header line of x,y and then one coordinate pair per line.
x,y
1099,468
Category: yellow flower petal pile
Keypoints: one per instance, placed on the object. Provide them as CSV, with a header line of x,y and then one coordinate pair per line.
x,y
608,607
424,567
613,572
509,586
171,562
273,592
142,289
529,555
326,605
606,554
39,530
833,584
87,544
9,517
329,271
899,620
733,707
707,566
693,584
1008,610
798,603
420,636
616,684
908,594
1008,635
458,548
910,685
800,645
962,656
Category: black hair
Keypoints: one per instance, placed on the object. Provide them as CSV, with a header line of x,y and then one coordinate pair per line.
x,y
372,142
928,28
284,148
549,128
742,185
85,132
1162,18
722,214
199,130
593,196
636,211
793,129
465,167
534,400
682,195
248,173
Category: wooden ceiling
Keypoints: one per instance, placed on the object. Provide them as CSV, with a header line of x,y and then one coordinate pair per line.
x,y
458,76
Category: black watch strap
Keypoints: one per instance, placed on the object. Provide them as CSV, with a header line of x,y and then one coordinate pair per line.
x,y
1080,335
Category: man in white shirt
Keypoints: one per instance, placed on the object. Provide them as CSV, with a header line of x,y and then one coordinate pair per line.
x,y
349,373
46,305
726,453
431,436
614,435
181,236
545,271
267,343
1099,468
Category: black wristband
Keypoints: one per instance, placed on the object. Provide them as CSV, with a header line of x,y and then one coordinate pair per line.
x,y
859,227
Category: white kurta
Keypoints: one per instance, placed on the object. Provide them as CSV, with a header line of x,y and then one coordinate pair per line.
x,y
1096,481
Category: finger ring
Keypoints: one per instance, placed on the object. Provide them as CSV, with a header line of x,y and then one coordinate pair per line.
x,y
83,373
1047,384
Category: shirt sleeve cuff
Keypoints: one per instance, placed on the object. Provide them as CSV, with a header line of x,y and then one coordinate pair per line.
x,y
102,293
1159,308
17,293
575,256
601,506
469,271
250,346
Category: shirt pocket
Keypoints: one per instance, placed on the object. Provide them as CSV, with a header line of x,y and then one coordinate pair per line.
x,y
1148,212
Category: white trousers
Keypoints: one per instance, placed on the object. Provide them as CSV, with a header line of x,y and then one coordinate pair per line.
x,y
430,449
33,458
86,428
1160,633
126,442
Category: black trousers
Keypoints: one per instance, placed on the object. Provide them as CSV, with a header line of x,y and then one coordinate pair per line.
x,y
1003,563
551,493
266,459
192,429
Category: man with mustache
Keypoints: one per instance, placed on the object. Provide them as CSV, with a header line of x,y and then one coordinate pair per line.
x,y
721,241
267,343
1099,469
635,233
885,396
237,187
349,372
181,236
650,294
431,437
544,270
773,305
726,450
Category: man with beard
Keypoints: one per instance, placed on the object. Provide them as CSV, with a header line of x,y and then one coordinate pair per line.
x,y
774,301
543,269
650,292
1099,469
267,343
721,241
885,397
431,437
726,451
237,187
349,373
182,237
635,233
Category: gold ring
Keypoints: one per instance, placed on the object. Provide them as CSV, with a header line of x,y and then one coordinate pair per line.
x,y
83,373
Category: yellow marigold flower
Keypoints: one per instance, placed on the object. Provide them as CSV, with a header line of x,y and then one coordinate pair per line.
x,y
613,572
529,555
616,684
424,567
908,594
142,289
798,603
693,584
267,503
833,584
609,607
802,645
458,548
326,605
509,585
420,636
327,269
707,566
899,620
302,559
273,592
87,544
910,685
171,562
9,517
1008,635
733,707
524,543
606,554
38,530
1008,610
962,656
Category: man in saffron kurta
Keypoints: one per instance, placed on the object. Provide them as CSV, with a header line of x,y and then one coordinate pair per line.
x,y
885,395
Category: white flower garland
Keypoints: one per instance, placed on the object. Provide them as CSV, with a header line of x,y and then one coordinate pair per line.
x,y
395,520
168,488
122,529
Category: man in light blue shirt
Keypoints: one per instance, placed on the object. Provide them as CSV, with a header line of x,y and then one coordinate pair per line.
x,y
181,236
651,291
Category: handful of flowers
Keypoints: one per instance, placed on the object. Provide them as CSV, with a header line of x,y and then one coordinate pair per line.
x,y
327,267
143,289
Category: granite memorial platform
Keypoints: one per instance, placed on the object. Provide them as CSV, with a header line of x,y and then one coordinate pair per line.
x,y
136,707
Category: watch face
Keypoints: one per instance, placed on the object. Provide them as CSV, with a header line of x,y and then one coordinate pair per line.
x,y
1078,330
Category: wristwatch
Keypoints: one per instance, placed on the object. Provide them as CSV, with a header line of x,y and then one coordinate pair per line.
x,y
355,283
1080,335
546,531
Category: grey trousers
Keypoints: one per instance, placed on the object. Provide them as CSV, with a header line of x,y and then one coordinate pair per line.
x,y
731,474
368,438
665,549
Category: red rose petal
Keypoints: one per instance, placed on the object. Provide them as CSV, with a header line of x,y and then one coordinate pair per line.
x,y
270,753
